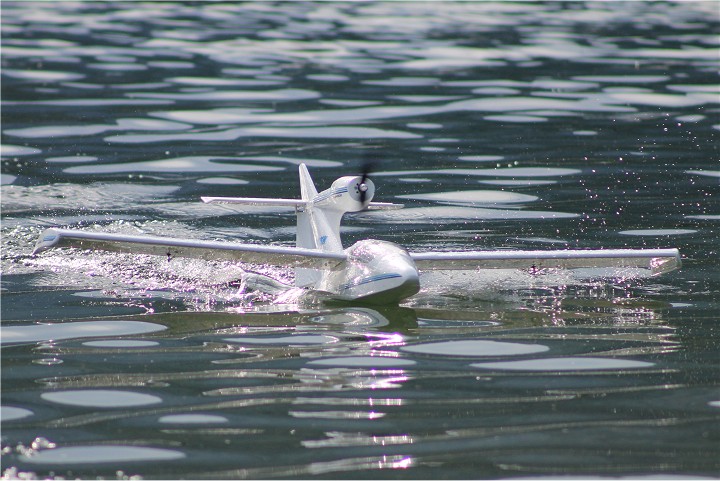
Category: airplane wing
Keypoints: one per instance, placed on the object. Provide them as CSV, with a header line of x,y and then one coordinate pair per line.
x,y
199,249
658,261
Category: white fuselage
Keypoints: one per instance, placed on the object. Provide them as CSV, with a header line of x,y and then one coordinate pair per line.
x,y
376,272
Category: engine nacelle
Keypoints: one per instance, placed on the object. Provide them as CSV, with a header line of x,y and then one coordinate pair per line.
x,y
346,194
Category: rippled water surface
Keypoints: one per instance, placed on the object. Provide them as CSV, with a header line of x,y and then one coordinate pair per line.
x,y
499,125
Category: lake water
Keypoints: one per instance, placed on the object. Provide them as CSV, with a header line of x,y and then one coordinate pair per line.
x,y
499,125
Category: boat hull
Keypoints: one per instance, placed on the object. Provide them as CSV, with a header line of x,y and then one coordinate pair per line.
x,y
376,272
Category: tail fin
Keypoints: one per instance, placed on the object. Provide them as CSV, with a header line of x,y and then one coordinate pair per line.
x,y
307,186
305,236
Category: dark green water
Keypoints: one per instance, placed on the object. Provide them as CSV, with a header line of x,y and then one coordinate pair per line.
x,y
578,125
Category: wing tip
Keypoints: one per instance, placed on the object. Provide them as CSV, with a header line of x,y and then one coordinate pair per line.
x,y
48,239
657,261
664,264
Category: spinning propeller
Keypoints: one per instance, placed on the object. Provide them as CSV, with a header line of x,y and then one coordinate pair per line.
x,y
362,187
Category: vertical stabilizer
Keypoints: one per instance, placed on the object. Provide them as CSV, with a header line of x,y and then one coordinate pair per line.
x,y
305,236
307,186
318,225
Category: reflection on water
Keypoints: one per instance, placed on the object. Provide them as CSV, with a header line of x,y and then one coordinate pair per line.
x,y
475,348
500,125
565,364
334,383
100,454
101,398
55,332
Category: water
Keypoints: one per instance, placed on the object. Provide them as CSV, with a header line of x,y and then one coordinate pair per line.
x,y
500,125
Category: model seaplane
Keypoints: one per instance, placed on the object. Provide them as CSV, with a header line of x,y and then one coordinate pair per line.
x,y
370,271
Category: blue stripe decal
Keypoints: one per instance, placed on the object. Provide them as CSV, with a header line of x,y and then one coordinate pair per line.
x,y
49,238
332,193
366,280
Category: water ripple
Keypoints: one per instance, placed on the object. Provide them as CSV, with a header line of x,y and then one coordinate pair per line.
x,y
209,370
47,332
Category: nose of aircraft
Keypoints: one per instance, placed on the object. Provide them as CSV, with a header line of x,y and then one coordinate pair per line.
x,y
392,287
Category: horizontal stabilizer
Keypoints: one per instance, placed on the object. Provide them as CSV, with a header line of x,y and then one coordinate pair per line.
x,y
254,201
296,203
198,249
656,260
